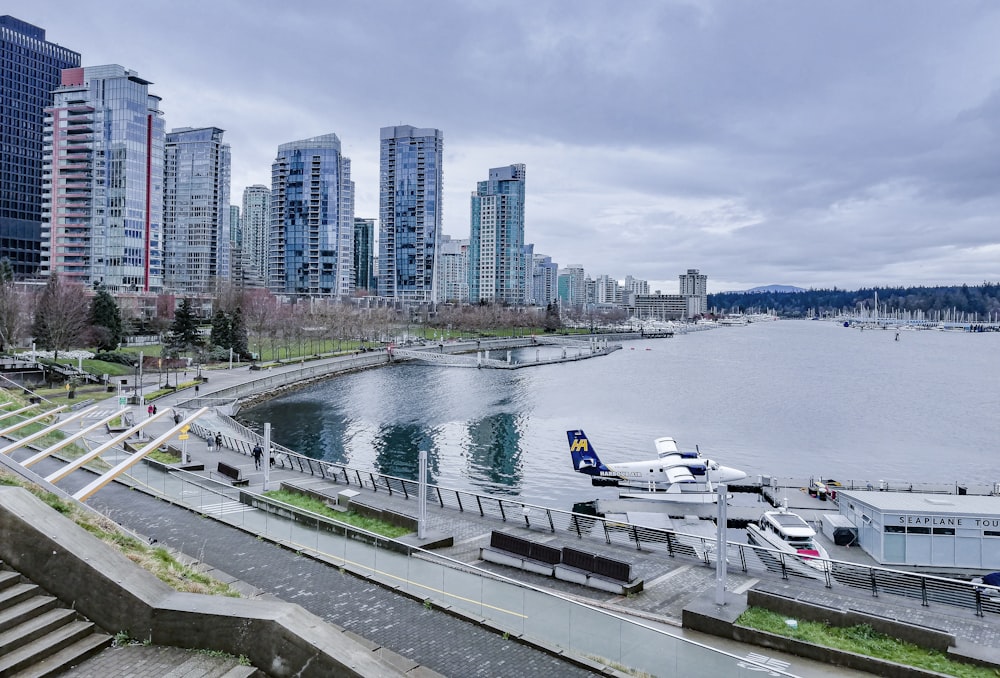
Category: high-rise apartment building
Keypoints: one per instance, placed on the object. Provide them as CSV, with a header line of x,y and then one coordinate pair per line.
x,y
235,246
30,69
103,181
255,228
694,287
544,280
410,198
196,247
607,290
364,254
453,270
572,286
636,286
312,219
496,241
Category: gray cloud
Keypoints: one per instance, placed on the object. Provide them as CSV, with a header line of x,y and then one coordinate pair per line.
x,y
817,144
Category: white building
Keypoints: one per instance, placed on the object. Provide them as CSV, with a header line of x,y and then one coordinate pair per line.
x,y
255,225
453,270
917,529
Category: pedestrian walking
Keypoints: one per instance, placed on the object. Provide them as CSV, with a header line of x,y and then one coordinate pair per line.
x,y
177,417
149,410
211,443
257,454
218,440
154,409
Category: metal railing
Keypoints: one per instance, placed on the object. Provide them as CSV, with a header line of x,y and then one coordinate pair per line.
x,y
748,558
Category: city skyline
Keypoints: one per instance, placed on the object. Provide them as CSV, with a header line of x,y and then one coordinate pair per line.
x,y
820,145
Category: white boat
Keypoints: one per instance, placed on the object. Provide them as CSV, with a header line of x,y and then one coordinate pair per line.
x,y
785,531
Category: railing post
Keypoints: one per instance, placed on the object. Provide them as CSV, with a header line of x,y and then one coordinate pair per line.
x,y
458,497
502,514
480,502
552,525
670,544
923,592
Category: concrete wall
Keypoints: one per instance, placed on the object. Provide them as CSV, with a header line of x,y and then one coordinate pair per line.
x,y
279,638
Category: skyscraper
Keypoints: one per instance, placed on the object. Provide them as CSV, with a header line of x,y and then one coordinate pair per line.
x,y
196,247
364,254
409,212
545,280
312,219
497,268
30,69
453,270
103,197
694,287
255,227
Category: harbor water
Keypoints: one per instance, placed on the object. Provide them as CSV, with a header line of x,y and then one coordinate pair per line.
x,y
786,398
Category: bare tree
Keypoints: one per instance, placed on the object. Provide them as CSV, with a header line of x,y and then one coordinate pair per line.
x,y
259,313
60,315
13,314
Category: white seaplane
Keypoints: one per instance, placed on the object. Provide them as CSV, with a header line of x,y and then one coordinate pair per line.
x,y
674,476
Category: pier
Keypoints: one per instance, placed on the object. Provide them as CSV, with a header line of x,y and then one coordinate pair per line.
x,y
572,350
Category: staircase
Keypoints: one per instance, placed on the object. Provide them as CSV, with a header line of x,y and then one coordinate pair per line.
x,y
37,636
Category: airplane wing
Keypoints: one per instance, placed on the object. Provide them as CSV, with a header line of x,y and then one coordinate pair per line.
x,y
679,474
665,446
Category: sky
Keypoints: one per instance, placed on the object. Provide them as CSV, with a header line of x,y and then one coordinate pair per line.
x,y
816,144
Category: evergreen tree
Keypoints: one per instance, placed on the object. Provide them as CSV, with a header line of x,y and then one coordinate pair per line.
x,y
6,271
183,333
106,320
222,333
238,334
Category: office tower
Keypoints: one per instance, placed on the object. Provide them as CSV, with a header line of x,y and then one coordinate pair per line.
x,y
103,197
694,286
255,227
235,246
453,270
409,212
364,254
196,247
496,240
30,69
312,219
544,280
572,285
607,290
527,257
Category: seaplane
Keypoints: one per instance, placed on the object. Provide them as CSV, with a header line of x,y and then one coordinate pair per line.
x,y
674,476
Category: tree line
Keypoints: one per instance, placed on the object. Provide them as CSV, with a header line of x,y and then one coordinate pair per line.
x,y
983,300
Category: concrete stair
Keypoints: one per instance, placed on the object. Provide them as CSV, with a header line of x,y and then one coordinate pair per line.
x,y
37,637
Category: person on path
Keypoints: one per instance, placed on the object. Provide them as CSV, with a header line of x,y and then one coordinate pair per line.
x,y
149,410
154,409
218,440
210,442
257,454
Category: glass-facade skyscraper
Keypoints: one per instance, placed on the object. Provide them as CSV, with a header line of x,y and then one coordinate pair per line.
x,y
364,254
409,212
255,226
196,210
102,204
312,219
30,69
498,271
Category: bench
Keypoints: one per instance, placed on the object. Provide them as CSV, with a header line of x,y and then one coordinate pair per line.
x,y
599,572
513,551
567,564
233,473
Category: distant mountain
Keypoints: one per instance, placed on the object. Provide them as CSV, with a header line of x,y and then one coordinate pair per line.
x,y
772,289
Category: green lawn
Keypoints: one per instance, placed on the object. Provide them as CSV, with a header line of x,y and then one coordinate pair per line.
x,y
861,639
351,518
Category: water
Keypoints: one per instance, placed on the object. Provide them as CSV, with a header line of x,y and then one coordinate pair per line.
x,y
789,398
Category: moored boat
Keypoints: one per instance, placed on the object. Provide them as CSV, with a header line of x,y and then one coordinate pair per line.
x,y
788,532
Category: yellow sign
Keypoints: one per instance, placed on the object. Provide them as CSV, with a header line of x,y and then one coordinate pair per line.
x,y
183,436
185,428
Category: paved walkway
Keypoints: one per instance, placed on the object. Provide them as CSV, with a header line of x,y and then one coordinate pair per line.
x,y
401,624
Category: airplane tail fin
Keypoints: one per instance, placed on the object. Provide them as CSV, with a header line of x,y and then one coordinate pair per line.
x,y
585,459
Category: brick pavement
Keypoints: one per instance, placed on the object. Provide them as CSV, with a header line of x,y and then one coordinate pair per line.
x,y
443,643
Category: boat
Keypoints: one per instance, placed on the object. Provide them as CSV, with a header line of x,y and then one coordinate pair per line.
x,y
788,532
674,476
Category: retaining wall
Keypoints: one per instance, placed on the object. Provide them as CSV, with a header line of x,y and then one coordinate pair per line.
x,y
279,638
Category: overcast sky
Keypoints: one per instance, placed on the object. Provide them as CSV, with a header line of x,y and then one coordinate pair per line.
x,y
815,144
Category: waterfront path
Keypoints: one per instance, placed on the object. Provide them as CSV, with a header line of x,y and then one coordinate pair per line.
x,y
397,621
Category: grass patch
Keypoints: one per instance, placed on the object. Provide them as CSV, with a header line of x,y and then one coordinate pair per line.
x,y
156,560
163,457
861,639
316,506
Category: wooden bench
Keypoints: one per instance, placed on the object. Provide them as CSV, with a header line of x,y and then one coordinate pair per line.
x,y
233,473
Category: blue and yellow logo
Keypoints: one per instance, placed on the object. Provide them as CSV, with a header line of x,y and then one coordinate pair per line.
x,y
579,445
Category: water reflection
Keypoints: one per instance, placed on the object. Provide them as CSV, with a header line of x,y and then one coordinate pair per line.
x,y
494,462
397,451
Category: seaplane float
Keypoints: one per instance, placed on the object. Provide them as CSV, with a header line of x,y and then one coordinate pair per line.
x,y
674,476
789,533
